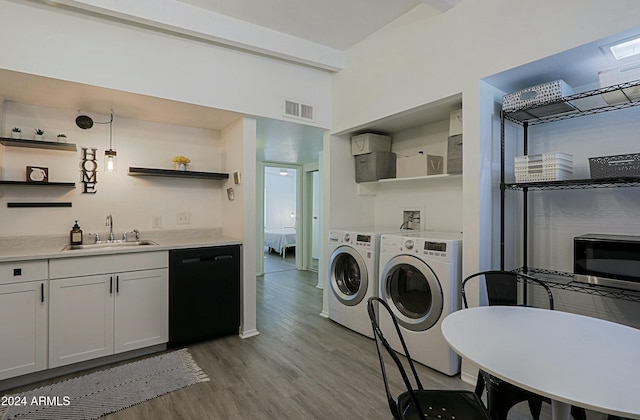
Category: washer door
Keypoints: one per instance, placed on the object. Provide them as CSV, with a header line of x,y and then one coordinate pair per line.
x,y
348,275
413,292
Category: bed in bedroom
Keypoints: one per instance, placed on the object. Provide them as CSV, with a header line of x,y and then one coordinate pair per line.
x,y
280,239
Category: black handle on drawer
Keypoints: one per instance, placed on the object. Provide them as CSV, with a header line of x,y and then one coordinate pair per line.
x,y
206,259
41,292
117,284
111,285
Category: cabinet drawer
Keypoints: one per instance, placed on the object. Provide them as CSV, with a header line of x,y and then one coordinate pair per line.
x,y
19,271
104,264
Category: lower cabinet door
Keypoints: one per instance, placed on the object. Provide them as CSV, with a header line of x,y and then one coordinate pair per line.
x,y
81,318
23,328
142,309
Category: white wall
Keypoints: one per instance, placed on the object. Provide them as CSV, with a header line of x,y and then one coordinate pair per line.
x,y
239,215
131,200
420,58
280,199
55,42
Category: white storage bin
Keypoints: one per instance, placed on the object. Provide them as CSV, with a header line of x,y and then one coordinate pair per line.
x,y
455,122
369,143
616,77
554,166
419,165
536,95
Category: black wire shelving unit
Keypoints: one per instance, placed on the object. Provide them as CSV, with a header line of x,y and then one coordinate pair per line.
x,y
611,98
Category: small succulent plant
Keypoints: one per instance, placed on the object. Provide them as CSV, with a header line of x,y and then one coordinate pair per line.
x,y
16,130
62,135
38,131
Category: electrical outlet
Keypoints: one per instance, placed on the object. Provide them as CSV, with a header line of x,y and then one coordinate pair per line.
x,y
156,222
183,218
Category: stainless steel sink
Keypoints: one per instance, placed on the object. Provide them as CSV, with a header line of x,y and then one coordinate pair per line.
x,y
109,244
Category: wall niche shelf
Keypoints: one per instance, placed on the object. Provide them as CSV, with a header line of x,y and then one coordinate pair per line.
x,y
31,205
38,144
420,178
371,188
137,171
39,184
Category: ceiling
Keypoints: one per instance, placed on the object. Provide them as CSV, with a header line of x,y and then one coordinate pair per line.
x,y
338,24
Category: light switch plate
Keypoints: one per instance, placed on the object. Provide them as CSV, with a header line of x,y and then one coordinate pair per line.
x,y
156,222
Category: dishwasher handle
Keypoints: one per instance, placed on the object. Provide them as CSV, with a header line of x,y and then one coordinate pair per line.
x,y
214,258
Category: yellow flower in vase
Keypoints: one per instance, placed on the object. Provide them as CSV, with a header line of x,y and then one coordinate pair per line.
x,y
181,162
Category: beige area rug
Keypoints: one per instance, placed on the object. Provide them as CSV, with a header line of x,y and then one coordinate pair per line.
x,y
100,393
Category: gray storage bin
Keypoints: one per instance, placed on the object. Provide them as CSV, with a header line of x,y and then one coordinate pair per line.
x,y
374,166
454,154
615,166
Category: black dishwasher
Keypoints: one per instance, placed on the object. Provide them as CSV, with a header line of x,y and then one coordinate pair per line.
x,y
204,293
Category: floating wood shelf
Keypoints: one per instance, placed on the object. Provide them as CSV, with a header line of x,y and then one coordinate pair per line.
x,y
136,171
37,205
38,144
39,184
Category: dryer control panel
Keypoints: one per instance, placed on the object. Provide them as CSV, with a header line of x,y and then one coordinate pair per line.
x,y
418,246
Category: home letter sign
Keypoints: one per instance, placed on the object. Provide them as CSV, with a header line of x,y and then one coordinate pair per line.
x,y
89,166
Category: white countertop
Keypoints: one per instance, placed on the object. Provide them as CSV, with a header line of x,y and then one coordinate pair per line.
x,y
572,359
49,247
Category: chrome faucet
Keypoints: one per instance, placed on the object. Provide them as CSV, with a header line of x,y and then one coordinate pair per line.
x,y
125,235
109,223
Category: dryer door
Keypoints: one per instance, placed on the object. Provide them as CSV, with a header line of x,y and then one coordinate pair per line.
x,y
348,275
413,292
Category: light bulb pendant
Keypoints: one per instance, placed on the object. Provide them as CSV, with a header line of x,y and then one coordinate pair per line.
x,y
110,160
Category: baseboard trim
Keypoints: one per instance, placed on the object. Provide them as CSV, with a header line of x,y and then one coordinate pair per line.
x,y
249,333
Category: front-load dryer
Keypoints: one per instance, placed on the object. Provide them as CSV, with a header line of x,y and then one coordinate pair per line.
x,y
353,277
420,281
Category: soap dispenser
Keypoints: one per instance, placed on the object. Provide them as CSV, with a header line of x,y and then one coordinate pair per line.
x,y
76,235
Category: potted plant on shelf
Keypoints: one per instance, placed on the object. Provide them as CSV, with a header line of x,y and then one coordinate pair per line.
x,y
62,138
181,162
16,132
39,133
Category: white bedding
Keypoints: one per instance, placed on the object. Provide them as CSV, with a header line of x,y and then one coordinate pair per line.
x,y
280,239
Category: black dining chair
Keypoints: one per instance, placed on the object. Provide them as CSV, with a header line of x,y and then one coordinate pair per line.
x,y
502,289
415,402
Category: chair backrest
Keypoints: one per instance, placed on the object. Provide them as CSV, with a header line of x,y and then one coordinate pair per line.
x,y
502,287
378,307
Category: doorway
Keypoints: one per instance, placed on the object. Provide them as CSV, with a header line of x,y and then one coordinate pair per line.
x,y
281,213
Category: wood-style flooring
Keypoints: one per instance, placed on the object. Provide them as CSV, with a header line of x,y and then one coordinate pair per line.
x,y
301,366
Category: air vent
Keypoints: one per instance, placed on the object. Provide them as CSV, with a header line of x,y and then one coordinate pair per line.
x,y
298,110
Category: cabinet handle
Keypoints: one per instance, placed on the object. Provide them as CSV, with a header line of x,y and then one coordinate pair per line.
x,y
117,284
41,292
111,285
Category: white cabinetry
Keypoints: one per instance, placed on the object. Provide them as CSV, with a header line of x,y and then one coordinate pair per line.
x,y
107,304
80,320
23,317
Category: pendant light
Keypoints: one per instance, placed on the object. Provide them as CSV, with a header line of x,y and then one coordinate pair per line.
x,y
110,156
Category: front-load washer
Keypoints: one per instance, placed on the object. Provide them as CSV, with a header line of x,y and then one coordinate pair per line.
x,y
353,276
420,279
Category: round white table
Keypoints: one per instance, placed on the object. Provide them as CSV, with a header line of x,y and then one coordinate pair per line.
x,y
571,359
